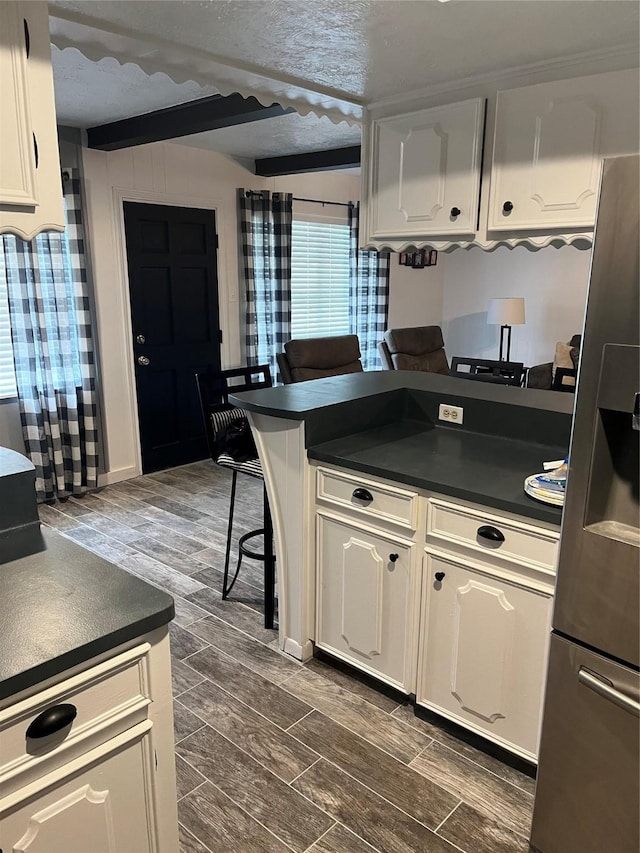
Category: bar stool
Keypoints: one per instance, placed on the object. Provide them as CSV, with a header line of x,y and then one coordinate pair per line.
x,y
214,388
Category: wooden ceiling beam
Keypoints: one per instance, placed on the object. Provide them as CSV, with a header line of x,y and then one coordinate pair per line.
x,y
312,161
180,120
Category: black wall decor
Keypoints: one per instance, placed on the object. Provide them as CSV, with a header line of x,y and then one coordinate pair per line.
x,y
418,260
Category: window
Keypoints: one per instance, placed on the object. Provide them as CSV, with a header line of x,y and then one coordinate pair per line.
x,y
7,373
319,279
52,255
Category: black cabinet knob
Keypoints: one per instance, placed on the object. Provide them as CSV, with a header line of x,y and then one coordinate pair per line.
x,y
439,576
363,495
507,207
393,557
52,720
455,211
491,534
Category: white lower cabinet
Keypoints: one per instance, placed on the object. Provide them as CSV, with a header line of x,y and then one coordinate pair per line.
x,y
427,602
98,803
483,650
105,781
366,597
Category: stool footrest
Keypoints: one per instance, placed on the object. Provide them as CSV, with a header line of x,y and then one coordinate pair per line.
x,y
255,555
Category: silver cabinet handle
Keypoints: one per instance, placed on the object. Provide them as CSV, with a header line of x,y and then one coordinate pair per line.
x,y
143,361
140,339
627,703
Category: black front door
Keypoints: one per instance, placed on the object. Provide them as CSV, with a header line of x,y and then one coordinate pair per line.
x,y
173,287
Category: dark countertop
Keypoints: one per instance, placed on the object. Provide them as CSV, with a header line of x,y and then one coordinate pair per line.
x,y
301,399
386,423
485,469
63,605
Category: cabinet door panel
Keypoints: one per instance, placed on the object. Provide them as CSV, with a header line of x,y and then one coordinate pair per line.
x,y
549,143
362,571
477,649
99,805
17,165
365,613
30,185
483,652
424,164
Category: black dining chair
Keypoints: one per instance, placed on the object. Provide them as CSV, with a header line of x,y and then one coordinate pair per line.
x,y
214,388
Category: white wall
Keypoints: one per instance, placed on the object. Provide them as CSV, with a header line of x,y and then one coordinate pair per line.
x,y
415,296
552,281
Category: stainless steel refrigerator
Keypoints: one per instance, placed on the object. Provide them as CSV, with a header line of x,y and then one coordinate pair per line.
x,y
587,794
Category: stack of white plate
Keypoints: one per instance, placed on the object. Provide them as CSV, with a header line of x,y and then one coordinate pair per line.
x,y
548,487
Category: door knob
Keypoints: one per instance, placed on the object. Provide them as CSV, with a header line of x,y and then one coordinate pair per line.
x,y
439,576
507,207
393,557
143,361
455,211
140,339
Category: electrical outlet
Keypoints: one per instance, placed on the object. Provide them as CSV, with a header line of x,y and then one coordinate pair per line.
x,y
450,414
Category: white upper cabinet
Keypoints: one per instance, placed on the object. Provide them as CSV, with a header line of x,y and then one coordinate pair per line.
x,y
30,185
549,143
424,172
17,163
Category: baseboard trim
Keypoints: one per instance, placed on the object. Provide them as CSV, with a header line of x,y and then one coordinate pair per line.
x,y
293,648
110,477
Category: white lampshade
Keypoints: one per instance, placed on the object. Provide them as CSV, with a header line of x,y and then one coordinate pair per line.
x,y
506,312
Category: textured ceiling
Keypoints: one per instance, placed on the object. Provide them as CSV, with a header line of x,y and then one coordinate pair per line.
x,y
369,49
324,55
274,137
90,93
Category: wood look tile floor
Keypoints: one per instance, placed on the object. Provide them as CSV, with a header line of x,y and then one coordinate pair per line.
x,y
273,755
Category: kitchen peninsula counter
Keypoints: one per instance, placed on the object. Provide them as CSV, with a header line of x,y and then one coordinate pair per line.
x,y
386,425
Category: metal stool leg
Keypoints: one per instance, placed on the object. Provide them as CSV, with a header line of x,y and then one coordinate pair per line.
x,y
232,502
269,565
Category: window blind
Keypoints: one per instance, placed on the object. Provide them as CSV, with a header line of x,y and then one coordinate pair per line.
x,y
319,279
7,373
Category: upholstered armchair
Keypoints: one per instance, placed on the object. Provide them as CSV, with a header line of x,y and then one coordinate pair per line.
x,y
316,358
563,378
416,348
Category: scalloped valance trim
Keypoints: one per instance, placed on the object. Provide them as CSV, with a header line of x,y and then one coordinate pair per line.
x,y
182,64
532,243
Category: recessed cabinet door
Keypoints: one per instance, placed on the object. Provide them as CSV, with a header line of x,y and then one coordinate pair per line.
x,y
364,599
17,156
483,652
549,143
30,184
425,172
98,804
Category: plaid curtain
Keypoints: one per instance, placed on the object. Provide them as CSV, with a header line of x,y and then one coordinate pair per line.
x,y
265,231
368,294
53,352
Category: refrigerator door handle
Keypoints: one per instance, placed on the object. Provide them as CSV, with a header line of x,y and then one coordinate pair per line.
x,y
593,682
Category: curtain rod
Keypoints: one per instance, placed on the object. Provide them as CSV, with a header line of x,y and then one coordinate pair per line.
x,y
319,201
309,200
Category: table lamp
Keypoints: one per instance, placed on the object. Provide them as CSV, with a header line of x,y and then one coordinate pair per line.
x,y
506,313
